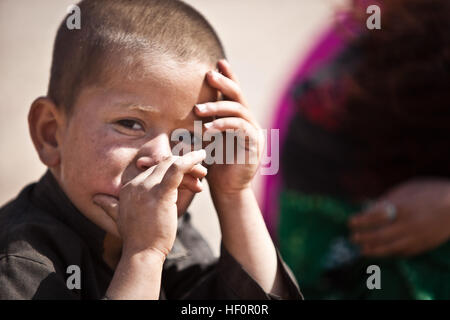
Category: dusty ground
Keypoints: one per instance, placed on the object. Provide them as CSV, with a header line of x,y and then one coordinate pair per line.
x,y
264,39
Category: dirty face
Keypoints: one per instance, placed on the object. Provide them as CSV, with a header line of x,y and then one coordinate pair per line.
x,y
119,130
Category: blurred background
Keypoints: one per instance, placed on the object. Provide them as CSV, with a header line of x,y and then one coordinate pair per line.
x,y
264,40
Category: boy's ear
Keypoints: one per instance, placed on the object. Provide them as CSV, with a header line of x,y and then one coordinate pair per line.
x,y
45,123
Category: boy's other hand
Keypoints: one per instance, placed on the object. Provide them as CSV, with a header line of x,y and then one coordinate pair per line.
x,y
145,216
231,114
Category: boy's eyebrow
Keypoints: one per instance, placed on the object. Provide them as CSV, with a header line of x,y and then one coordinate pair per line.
x,y
138,107
150,109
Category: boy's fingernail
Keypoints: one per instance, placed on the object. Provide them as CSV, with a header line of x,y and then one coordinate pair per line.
x,y
226,62
214,74
208,125
201,107
202,152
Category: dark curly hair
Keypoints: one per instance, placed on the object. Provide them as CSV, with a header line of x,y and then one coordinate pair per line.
x,y
398,104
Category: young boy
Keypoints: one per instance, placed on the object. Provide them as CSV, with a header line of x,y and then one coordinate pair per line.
x,y
108,206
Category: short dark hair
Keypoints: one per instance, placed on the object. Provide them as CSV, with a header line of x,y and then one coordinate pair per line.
x,y
115,33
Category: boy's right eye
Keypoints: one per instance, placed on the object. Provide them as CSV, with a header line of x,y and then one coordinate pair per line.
x,y
130,124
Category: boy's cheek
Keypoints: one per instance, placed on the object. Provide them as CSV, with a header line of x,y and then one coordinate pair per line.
x,y
92,172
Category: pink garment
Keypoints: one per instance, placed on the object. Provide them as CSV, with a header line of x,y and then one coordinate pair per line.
x,y
330,43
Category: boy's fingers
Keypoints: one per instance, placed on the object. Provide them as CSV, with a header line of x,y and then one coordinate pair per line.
x,y
230,123
225,67
198,171
189,180
191,183
111,227
174,175
225,85
224,109
248,136
160,170
143,176
109,204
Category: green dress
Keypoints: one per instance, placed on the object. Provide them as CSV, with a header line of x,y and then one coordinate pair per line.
x,y
314,243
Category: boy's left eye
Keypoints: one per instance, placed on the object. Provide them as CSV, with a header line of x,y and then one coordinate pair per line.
x,y
131,124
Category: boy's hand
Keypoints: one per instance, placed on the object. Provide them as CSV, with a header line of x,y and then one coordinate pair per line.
x,y
146,214
232,113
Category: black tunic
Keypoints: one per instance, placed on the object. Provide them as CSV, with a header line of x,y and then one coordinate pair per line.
x,y
42,233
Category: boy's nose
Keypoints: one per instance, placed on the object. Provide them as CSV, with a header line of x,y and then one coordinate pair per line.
x,y
153,152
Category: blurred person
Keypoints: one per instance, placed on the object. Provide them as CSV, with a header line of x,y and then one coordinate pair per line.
x,y
365,157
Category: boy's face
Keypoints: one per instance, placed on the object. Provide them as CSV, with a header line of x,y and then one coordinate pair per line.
x,y
117,131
